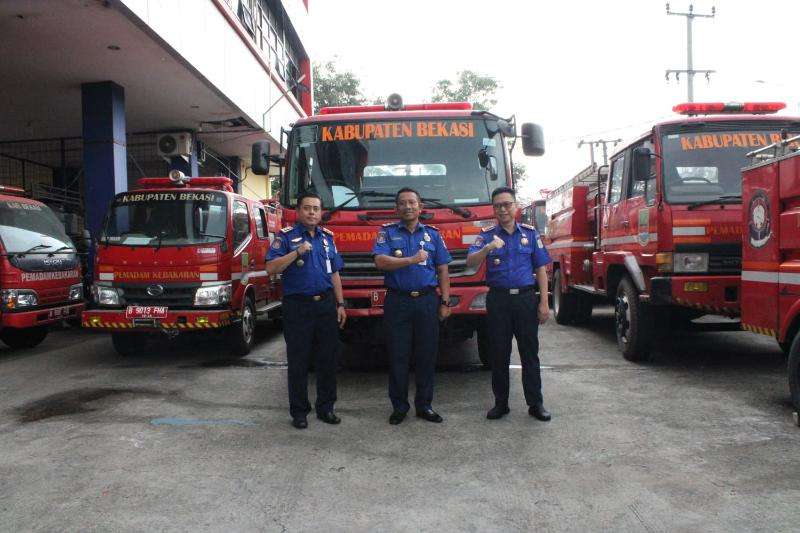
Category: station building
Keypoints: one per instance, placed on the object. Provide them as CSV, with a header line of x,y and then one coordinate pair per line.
x,y
95,94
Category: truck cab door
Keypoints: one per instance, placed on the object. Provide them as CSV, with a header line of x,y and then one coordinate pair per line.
x,y
614,225
259,258
639,197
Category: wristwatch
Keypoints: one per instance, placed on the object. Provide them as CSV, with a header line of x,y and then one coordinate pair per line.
x,y
445,303
339,304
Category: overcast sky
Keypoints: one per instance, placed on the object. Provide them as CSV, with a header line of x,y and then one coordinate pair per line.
x,y
581,69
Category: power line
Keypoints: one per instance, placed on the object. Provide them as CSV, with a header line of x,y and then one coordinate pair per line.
x,y
599,142
690,71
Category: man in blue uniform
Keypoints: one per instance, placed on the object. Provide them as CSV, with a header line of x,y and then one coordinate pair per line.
x,y
313,307
414,259
515,262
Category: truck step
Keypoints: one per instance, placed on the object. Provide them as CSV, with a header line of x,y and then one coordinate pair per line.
x,y
265,310
589,289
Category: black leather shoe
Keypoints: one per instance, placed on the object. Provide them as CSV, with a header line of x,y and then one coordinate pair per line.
x,y
430,415
539,412
329,417
300,423
397,417
498,411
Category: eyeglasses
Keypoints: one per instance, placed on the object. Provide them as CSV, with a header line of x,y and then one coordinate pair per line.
x,y
503,205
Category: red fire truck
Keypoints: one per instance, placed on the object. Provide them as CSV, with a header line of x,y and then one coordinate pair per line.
x,y
665,244
182,254
771,250
357,158
41,277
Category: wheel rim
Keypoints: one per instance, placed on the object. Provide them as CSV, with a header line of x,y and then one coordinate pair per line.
x,y
247,324
623,319
557,295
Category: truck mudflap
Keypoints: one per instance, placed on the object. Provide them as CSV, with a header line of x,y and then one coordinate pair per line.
x,y
41,317
115,320
362,303
712,294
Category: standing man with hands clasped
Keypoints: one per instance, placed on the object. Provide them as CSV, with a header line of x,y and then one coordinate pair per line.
x,y
516,260
313,308
414,259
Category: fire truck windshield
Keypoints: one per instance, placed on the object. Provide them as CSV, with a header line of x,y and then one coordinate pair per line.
x,y
27,227
703,166
166,219
439,158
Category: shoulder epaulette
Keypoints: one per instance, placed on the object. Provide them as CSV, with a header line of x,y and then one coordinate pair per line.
x,y
490,228
326,230
387,224
432,226
528,226
287,229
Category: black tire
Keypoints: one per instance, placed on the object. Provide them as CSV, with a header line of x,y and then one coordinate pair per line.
x,y
564,303
793,368
786,347
20,338
129,344
241,334
482,333
632,322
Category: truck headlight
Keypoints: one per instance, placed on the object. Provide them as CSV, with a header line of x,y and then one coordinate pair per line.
x,y
76,291
213,295
479,302
15,298
104,295
690,262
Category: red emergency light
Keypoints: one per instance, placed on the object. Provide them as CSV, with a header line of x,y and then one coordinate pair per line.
x,y
16,191
719,108
439,106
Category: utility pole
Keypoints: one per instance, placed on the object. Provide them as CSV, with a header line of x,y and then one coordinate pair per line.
x,y
599,142
690,72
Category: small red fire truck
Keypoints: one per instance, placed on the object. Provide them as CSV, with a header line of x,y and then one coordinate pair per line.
x,y
771,250
41,277
357,158
182,254
658,233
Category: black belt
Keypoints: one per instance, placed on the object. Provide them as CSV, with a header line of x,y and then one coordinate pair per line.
x,y
416,293
308,297
520,290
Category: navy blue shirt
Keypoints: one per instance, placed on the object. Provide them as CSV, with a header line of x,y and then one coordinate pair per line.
x,y
513,265
313,275
395,240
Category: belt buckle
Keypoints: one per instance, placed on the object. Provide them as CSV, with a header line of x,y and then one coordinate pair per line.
x,y
317,297
414,294
513,291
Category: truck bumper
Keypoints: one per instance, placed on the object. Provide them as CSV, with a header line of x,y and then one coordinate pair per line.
x,y
712,294
115,320
369,302
41,317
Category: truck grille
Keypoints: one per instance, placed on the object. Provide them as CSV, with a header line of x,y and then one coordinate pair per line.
x,y
360,265
176,295
725,264
723,258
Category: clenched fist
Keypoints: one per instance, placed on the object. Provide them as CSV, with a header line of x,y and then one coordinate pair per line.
x,y
496,243
304,248
421,257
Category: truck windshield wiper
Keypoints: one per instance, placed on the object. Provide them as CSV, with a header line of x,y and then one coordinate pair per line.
x,y
204,234
360,194
454,208
65,247
724,199
31,249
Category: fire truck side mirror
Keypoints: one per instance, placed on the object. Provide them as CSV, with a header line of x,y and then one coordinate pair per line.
x,y
532,139
602,173
641,163
260,160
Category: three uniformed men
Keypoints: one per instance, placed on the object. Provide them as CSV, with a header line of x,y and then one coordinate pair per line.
x,y
516,260
313,308
414,259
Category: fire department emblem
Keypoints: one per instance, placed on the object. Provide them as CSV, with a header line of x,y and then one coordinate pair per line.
x,y
759,225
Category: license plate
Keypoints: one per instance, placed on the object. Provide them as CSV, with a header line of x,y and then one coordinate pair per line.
x,y
58,312
145,311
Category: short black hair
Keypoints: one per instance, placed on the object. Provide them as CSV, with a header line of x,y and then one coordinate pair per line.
x,y
407,189
308,194
501,190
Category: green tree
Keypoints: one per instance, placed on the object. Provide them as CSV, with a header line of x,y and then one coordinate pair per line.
x,y
470,87
519,171
335,88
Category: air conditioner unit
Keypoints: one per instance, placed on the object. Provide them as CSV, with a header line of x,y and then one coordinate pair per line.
x,y
175,144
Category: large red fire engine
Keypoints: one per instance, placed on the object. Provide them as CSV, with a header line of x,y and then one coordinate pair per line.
x,y
357,158
41,277
771,250
182,254
665,242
